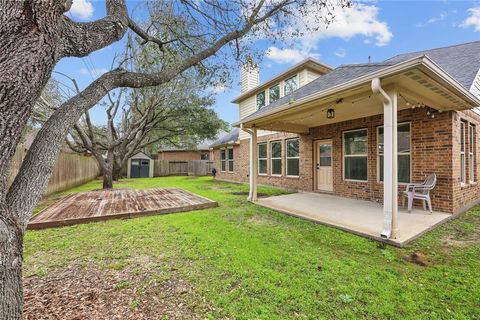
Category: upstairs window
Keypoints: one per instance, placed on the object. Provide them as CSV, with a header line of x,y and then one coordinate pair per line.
x,y
291,84
223,159
261,100
462,152
293,157
403,152
355,155
276,165
262,158
230,159
274,93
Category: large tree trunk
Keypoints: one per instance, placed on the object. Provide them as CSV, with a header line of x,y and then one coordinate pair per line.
x,y
108,172
11,247
27,58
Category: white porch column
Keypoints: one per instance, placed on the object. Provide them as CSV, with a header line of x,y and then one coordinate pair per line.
x,y
390,166
253,165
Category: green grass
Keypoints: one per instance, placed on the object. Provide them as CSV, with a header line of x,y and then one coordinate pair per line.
x,y
249,262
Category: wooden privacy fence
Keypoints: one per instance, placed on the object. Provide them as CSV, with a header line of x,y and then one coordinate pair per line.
x,y
70,170
164,168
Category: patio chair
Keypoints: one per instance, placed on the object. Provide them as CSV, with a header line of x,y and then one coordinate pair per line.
x,y
420,191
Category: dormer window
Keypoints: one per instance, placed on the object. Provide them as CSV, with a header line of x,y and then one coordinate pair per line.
x,y
291,84
261,100
274,93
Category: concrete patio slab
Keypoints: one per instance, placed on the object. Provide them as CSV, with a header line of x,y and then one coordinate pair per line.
x,y
360,217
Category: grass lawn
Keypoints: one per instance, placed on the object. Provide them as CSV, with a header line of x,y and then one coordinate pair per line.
x,y
242,261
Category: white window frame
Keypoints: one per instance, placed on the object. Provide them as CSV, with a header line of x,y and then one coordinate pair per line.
x,y
285,83
264,100
287,157
265,159
409,153
230,160
223,162
463,178
279,92
276,158
471,152
353,156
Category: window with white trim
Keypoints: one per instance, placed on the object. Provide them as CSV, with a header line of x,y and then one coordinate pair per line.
x,y
403,152
223,160
262,158
471,153
462,152
230,159
276,160
261,100
274,93
355,155
290,85
293,157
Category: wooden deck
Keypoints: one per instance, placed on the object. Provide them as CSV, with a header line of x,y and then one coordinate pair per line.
x,y
102,205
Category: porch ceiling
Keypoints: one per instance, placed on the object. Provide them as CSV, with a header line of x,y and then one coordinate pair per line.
x,y
416,86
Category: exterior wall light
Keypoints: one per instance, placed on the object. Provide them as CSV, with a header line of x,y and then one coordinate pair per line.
x,y
330,113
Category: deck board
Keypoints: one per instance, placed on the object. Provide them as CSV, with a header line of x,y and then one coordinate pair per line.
x,y
99,205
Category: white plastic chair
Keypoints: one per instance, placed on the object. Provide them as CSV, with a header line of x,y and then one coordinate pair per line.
x,y
420,191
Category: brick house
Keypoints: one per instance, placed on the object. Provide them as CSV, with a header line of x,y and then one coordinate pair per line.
x,y
352,130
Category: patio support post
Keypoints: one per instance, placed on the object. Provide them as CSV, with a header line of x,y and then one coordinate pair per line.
x,y
252,196
390,166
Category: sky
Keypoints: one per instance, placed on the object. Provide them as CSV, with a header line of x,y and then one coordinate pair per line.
x,y
376,29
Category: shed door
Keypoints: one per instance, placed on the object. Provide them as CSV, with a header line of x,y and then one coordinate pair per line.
x,y
140,168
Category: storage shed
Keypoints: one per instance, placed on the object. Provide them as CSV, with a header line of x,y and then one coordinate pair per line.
x,y
140,166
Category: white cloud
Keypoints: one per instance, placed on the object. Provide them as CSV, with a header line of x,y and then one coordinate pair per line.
x,y
218,88
473,19
361,19
82,9
342,53
287,55
358,20
93,72
432,20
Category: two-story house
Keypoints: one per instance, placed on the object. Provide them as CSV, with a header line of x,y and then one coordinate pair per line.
x,y
353,130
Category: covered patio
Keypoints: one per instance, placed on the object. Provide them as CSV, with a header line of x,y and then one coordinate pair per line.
x,y
364,218
346,94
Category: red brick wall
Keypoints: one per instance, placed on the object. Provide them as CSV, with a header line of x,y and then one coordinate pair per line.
x,y
435,148
465,194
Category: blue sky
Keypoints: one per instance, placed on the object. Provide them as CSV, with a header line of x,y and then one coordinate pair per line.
x,y
379,29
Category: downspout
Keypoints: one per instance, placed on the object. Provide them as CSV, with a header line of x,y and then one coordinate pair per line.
x,y
387,105
252,195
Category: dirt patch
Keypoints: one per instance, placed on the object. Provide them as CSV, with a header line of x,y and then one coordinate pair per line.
x,y
92,293
418,258
262,220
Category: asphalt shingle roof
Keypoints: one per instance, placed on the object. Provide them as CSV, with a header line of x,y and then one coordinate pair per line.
x,y
232,136
461,61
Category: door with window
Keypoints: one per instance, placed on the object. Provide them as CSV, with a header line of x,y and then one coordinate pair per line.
x,y
324,166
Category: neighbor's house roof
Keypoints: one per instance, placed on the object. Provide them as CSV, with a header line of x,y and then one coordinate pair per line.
x,y
309,63
230,138
458,64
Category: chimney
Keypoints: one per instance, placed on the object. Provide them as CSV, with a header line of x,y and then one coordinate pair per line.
x,y
249,77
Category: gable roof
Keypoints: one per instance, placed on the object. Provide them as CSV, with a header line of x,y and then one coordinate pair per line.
x,y
461,62
229,138
309,63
